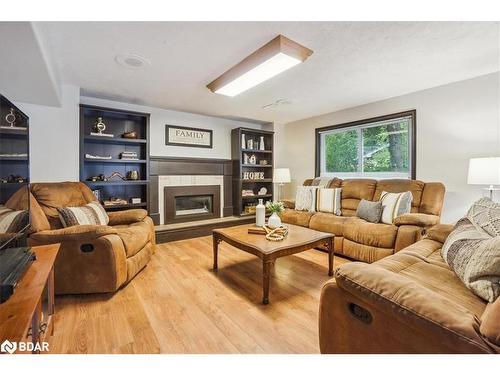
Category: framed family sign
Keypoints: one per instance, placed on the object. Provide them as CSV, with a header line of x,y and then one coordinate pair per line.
x,y
188,137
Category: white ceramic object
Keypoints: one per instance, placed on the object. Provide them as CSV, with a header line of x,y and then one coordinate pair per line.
x,y
274,221
261,144
260,214
243,141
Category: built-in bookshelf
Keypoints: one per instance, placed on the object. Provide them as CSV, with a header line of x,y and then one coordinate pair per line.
x,y
252,156
14,149
109,153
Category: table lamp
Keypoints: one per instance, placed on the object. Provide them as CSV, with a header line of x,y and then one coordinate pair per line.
x,y
281,177
485,171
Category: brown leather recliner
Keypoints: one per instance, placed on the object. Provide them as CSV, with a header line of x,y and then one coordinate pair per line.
x,y
369,242
410,302
92,258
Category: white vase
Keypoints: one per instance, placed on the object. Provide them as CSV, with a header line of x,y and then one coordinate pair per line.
x,y
260,214
243,141
261,144
274,221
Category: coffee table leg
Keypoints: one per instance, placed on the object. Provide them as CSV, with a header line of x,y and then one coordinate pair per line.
x,y
216,241
330,256
266,268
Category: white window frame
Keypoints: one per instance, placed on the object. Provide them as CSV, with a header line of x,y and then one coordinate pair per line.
x,y
359,127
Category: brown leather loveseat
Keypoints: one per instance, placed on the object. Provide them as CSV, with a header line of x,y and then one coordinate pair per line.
x,y
92,259
369,242
410,302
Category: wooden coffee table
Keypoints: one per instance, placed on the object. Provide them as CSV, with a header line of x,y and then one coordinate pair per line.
x,y
299,239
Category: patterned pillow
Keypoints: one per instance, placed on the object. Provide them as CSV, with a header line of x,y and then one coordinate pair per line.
x,y
90,214
486,214
395,204
306,198
474,256
12,221
328,200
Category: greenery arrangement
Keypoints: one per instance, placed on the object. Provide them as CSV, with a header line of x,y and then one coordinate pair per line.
x,y
275,207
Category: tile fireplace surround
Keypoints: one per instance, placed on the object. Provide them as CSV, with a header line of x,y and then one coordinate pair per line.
x,y
164,181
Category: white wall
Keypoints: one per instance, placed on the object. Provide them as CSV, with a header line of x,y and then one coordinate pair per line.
x,y
160,117
54,138
454,123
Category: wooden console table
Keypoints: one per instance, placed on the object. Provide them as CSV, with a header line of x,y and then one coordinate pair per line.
x,y
27,315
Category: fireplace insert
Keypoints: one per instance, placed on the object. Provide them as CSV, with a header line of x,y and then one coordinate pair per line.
x,y
190,203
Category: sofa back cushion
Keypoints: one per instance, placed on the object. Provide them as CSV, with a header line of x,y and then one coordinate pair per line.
x,y
53,196
353,190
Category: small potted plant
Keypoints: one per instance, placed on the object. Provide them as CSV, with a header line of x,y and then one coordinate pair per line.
x,y
275,208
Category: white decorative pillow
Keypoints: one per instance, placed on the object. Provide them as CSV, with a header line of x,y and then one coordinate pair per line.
x,y
12,221
328,200
306,198
90,214
394,205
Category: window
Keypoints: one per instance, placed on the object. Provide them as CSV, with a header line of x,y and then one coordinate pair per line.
x,y
381,147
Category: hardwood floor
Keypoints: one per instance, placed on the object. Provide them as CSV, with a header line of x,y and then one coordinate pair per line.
x,y
177,304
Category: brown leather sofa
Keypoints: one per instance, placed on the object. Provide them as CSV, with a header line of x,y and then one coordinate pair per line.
x,y
369,242
92,259
410,302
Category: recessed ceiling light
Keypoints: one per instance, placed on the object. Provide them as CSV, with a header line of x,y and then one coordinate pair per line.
x,y
275,57
131,60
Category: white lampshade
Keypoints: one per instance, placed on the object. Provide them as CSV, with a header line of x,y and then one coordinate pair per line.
x,y
484,171
281,175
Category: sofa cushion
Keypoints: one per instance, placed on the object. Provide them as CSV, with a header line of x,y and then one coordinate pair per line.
x,y
363,232
328,200
369,211
395,204
329,223
295,217
90,214
353,190
134,236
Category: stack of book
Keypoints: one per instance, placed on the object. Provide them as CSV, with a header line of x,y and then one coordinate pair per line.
x,y
129,155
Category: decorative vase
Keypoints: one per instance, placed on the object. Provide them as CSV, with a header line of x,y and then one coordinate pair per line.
x,y
243,141
261,144
260,214
274,221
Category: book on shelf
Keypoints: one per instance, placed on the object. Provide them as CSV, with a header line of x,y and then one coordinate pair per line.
x,y
102,134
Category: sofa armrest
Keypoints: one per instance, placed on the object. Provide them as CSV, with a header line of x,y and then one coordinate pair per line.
x,y
127,216
289,203
405,302
421,220
74,233
439,232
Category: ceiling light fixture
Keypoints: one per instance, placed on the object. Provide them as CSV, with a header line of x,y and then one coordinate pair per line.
x,y
275,57
132,60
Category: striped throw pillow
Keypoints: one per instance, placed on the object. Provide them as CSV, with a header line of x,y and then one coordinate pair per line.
x,y
395,204
90,214
328,200
12,221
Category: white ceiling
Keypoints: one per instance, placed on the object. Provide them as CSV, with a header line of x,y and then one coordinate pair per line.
x,y
353,62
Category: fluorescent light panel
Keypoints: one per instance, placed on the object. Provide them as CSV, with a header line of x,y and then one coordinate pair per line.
x,y
273,58
268,69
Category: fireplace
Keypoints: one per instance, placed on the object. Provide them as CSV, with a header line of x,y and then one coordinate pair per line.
x,y
190,203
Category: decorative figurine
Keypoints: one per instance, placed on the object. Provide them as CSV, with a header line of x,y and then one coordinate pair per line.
x,y
100,126
11,118
252,159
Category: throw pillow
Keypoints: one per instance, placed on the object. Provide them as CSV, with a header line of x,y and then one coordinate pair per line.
x,y
328,200
394,205
12,221
305,199
90,214
486,213
369,211
474,255
322,182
